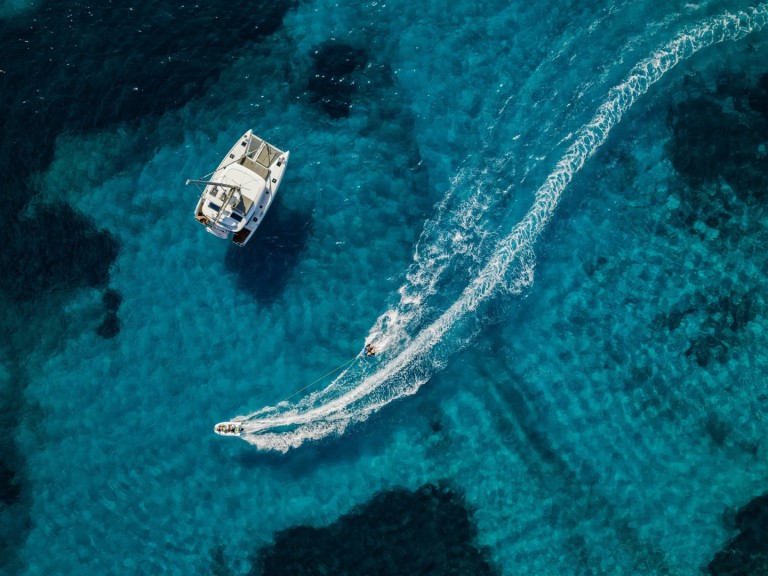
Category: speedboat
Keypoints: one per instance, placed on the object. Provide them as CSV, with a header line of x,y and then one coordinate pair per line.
x,y
239,192
229,429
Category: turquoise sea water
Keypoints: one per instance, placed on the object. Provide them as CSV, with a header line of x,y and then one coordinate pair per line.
x,y
550,217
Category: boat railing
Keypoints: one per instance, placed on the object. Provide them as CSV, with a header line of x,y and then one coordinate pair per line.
x,y
227,198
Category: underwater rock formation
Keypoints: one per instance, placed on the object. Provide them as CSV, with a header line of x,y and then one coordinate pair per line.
x,y
110,324
397,533
718,148
721,134
109,327
58,249
747,553
112,299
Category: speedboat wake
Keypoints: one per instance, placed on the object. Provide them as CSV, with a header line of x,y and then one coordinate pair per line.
x,y
408,357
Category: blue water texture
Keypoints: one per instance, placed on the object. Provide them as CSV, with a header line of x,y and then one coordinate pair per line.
x,y
550,218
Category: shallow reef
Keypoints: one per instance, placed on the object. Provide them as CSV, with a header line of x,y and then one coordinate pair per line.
x,y
427,531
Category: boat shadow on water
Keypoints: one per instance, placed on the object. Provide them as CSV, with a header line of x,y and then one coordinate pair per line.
x,y
264,267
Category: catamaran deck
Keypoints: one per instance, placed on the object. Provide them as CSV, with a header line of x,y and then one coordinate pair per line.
x,y
259,156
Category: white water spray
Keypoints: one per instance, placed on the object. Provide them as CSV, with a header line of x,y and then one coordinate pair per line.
x,y
409,362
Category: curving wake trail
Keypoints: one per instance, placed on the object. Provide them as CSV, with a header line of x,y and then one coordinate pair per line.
x,y
409,361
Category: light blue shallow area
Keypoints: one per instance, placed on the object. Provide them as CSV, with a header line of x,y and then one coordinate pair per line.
x,y
569,415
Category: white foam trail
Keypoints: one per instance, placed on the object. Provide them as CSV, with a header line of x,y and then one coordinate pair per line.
x,y
456,228
361,390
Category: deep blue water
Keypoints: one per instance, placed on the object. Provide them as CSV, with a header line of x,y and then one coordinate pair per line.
x,y
551,218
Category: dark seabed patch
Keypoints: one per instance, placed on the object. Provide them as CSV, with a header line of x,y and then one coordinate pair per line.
x,y
110,323
10,477
758,96
721,134
747,553
86,81
719,149
265,265
112,299
217,563
15,498
718,319
723,325
109,327
54,249
332,82
429,531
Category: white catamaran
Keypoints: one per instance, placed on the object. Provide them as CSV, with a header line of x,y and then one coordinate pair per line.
x,y
241,190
